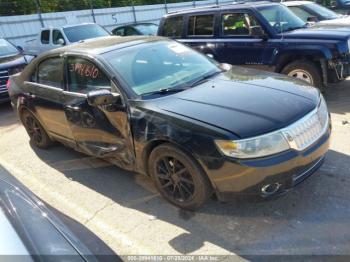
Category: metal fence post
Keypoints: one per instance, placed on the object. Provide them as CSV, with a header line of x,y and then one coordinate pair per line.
x,y
38,10
166,6
194,3
217,2
133,11
92,11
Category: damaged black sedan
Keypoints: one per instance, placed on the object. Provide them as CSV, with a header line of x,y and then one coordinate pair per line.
x,y
154,106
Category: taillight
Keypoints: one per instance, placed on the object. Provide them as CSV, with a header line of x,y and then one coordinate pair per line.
x,y
8,84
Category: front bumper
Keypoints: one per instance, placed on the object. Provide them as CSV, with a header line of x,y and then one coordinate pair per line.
x,y
338,69
232,178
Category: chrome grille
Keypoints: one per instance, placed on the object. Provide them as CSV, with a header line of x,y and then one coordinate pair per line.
x,y
309,129
4,76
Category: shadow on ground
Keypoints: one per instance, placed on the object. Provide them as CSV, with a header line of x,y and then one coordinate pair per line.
x,y
317,209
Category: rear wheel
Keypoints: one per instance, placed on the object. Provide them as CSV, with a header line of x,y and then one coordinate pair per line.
x,y
35,130
306,71
178,177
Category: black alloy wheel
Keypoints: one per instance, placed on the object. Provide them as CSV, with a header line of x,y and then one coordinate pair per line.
x,y
35,130
175,179
178,177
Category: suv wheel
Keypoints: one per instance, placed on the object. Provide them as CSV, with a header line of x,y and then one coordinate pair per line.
x,y
178,177
306,71
35,130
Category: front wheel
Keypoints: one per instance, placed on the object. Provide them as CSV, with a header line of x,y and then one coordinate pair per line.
x,y
306,71
178,177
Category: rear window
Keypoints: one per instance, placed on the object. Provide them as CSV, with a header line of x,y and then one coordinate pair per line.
x,y
45,37
7,49
202,25
83,32
173,26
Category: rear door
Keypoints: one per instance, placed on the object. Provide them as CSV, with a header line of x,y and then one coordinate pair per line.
x,y
46,94
101,131
238,45
201,32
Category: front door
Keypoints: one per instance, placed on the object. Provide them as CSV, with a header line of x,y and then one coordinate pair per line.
x,y
238,45
101,131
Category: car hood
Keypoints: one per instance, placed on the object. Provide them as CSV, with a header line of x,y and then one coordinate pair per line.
x,y
12,61
245,102
320,31
338,22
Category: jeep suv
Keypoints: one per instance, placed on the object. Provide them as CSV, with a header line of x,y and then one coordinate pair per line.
x,y
264,35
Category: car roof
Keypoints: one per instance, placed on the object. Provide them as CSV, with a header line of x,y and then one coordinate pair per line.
x,y
234,5
66,26
296,3
105,44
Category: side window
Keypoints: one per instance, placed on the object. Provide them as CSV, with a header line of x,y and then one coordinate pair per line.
x,y
173,26
303,14
202,25
238,24
56,36
119,31
45,37
50,72
83,76
130,31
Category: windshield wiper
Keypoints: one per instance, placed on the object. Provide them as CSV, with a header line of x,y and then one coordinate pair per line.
x,y
164,91
295,28
205,78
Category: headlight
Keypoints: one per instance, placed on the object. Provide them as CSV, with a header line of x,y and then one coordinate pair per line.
x,y
259,146
297,136
323,112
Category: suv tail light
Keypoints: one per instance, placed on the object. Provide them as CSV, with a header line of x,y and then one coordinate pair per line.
x,y
8,84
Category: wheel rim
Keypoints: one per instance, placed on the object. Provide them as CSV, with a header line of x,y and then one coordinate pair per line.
x,y
175,180
303,75
34,130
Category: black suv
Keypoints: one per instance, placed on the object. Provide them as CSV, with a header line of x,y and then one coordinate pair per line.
x,y
11,62
264,35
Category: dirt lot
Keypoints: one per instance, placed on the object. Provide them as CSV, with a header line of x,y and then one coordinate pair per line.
x,y
125,211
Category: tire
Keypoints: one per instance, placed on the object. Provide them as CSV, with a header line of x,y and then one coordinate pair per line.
x,y
35,130
306,70
178,177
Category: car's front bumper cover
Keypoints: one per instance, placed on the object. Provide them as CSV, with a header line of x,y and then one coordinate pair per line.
x,y
231,178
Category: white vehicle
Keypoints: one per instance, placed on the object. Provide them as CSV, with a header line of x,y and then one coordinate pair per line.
x,y
50,38
311,12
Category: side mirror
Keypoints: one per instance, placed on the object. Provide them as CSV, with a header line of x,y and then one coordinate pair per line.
x,y
312,19
257,31
102,97
20,48
61,41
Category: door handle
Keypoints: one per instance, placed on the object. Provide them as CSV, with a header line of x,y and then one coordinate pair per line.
x,y
73,108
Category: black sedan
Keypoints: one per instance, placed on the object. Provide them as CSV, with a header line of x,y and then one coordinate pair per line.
x,y
136,29
155,106
11,62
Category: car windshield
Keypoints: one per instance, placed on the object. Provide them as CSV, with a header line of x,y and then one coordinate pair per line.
x,y
147,29
7,49
162,65
281,18
83,32
322,11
